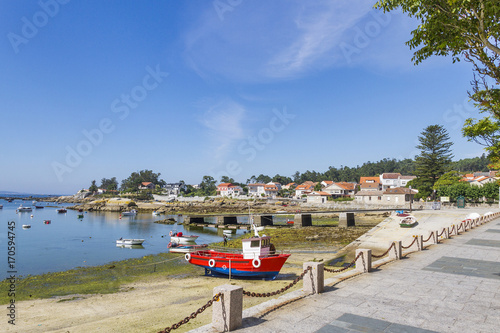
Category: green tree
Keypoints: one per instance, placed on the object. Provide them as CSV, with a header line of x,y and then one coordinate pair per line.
x,y
93,187
226,179
318,186
207,186
435,154
465,30
447,179
490,190
109,184
136,178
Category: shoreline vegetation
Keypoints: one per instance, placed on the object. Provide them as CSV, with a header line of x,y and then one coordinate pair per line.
x,y
323,237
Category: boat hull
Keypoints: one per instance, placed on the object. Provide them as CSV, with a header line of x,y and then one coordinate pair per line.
x,y
129,241
223,264
183,239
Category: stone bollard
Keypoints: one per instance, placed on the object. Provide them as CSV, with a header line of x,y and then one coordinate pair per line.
x,y
452,230
314,280
420,243
436,237
227,312
397,252
364,262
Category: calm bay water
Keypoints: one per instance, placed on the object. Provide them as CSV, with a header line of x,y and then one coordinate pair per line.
x,y
69,242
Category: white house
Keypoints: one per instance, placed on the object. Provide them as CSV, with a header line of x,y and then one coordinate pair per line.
x,y
317,197
303,189
392,180
228,190
256,190
173,189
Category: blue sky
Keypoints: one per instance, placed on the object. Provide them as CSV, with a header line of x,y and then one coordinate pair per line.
x,y
94,89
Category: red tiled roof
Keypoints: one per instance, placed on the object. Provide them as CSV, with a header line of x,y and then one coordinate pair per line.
x,y
346,185
391,175
329,182
146,183
304,187
365,179
257,184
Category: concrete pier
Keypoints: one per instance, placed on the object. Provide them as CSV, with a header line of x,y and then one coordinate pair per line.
x,y
262,220
346,220
302,220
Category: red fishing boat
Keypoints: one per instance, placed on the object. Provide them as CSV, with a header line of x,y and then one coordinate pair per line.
x,y
257,260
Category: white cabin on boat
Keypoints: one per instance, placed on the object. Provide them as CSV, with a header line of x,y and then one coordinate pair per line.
x,y
256,247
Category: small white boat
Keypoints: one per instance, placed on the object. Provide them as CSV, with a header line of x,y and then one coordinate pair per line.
x,y
133,212
129,241
1,206
26,226
155,213
408,222
24,209
179,238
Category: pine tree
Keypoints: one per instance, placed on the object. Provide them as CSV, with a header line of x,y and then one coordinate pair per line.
x,y
435,156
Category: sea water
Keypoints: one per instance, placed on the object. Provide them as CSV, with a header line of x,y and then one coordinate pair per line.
x,y
69,242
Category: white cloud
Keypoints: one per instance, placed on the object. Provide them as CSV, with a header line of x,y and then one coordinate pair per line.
x,y
224,124
269,40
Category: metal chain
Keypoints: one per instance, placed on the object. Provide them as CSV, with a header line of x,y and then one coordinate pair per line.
x,y
279,291
193,315
407,247
385,253
345,267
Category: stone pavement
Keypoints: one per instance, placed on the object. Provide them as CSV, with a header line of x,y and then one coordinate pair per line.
x,y
453,286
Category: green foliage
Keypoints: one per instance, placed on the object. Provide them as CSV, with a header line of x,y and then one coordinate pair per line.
x,y
490,190
318,186
435,155
226,179
469,165
93,187
109,184
207,186
465,30
136,178
449,178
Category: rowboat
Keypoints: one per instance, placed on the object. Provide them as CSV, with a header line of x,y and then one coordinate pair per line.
x,y
256,260
186,248
26,226
62,210
408,222
129,241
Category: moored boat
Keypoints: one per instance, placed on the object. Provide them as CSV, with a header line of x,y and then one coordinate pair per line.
x,y
26,226
257,260
24,209
129,241
180,238
46,221
62,210
408,222
130,213
80,216
185,248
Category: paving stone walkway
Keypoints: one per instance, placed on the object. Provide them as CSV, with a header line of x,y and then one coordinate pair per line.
x,y
453,286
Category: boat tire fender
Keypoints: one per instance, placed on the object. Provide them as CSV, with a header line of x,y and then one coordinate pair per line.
x,y
211,263
187,257
256,263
